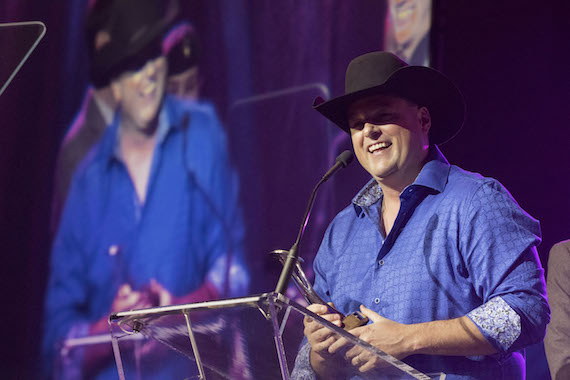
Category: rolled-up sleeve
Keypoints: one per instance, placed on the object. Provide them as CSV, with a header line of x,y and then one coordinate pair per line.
x,y
499,247
303,369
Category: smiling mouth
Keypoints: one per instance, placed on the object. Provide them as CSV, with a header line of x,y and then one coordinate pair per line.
x,y
379,146
148,89
403,13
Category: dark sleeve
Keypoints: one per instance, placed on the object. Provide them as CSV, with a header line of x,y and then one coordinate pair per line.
x,y
557,342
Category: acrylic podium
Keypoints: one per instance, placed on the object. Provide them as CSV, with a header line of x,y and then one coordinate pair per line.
x,y
254,337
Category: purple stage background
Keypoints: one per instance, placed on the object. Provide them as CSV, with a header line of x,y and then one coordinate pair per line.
x,y
509,58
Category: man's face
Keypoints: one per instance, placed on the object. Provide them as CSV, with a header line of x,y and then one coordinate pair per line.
x,y
390,137
411,19
141,92
185,85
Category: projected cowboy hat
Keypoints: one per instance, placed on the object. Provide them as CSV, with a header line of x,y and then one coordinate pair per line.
x,y
124,34
384,73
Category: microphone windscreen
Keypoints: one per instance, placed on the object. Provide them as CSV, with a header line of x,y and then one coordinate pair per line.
x,y
345,158
318,101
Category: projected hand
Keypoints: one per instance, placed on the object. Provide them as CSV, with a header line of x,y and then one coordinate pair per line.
x,y
162,296
129,299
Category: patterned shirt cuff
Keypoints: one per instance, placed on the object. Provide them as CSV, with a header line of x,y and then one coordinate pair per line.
x,y
303,369
498,323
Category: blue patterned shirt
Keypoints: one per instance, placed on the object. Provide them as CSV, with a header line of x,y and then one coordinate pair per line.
x,y
460,245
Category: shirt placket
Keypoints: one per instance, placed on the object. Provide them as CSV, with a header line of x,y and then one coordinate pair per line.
x,y
410,198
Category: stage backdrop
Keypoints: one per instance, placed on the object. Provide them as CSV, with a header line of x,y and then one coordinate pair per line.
x,y
263,62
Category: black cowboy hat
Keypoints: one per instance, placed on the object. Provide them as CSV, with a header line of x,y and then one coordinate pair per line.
x,y
124,34
383,73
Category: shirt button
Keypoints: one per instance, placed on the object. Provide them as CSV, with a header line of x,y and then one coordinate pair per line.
x,y
381,262
113,250
376,301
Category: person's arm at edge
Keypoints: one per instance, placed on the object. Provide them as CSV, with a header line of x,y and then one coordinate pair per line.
x,y
558,333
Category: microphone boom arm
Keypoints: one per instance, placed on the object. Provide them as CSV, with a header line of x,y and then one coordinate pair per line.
x,y
342,161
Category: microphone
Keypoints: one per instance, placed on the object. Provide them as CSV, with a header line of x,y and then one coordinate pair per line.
x,y
342,161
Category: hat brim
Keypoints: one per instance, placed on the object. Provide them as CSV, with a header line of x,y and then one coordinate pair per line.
x,y
421,85
113,62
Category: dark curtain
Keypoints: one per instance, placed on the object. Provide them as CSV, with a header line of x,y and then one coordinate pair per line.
x,y
35,110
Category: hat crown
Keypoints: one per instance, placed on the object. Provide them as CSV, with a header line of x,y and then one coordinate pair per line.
x,y
371,70
384,73
130,19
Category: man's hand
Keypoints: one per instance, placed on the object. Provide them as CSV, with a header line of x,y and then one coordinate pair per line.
x,y
320,338
459,337
382,333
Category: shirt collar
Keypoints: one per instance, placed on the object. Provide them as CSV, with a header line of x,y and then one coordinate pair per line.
x,y
433,175
435,172
107,112
110,143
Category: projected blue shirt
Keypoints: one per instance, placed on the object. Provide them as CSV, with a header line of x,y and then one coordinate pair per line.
x,y
460,246
183,234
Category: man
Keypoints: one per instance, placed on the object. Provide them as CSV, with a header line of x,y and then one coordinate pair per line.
x,y
442,261
557,341
182,49
180,46
144,224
